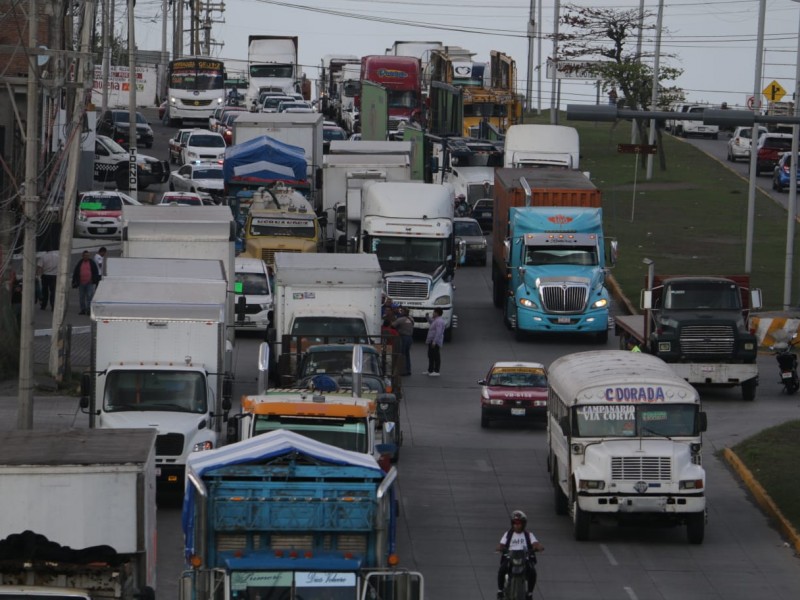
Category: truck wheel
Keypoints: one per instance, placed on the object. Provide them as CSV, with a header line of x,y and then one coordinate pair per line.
x,y
602,337
498,291
749,390
696,527
448,334
580,523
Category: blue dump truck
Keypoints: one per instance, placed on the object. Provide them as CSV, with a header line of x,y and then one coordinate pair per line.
x,y
282,516
555,261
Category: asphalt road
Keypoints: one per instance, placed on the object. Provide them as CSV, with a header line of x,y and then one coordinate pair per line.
x,y
458,482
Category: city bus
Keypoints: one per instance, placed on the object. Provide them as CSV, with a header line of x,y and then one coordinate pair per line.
x,y
195,87
625,438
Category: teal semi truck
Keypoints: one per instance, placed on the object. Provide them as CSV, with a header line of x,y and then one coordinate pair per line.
x,y
555,259
284,516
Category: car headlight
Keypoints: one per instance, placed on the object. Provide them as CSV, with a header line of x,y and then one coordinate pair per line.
x,y
82,217
484,394
602,303
527,303
191,154
172,100
200,446
442,301
591,484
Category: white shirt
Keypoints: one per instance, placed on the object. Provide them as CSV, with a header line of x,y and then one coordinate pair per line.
x,y
98,260
518,540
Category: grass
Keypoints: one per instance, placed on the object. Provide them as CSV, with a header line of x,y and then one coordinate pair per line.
x,y
772,456
689,219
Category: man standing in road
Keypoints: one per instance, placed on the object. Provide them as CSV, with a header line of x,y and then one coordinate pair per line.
x,y
84,277
435,339
404,325
47,269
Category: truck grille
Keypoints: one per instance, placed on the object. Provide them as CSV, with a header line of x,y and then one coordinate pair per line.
x,y
637,468
707,339
564,298
196,102
169,444
408,290
394,123
268,254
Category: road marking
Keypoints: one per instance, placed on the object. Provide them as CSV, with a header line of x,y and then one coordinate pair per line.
x,y
609,556
631,594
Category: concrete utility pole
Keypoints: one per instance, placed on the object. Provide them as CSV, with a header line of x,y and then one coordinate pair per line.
x,y
654,96
83,77
531,35
30,209
162,66
106,24
553,94
792,204
751,188
132,141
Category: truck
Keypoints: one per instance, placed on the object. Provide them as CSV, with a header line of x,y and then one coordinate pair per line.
x,y
700,326
549,253
420,50
197,232
160,358
343,177
347,115
329,296
329,85
303,130
272,66
468,164
79,514
282,515
542,146
402,78
409,227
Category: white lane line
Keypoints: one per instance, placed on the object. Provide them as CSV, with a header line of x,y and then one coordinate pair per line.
x,y
609,556
631,594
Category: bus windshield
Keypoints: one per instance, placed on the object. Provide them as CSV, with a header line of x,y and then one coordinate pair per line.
x,y
635,420
196,74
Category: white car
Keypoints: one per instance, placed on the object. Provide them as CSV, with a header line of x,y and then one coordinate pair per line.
x,y
271,103
252,284
99,214
181,199
201,178
741,141
203,145
295,106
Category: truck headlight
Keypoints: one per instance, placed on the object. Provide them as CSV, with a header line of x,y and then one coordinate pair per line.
x,y
442,301
749,346
191,154
200,446
664,346
527,303
691,484
591,484
602,303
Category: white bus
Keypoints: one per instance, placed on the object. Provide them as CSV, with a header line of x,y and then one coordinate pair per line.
x,y
625,438
196,86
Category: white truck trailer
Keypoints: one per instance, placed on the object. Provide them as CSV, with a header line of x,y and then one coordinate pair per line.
x,y
160,359
79,514
409,227
271,65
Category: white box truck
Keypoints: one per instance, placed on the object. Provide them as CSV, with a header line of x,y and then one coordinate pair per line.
x,y
160,359
79,514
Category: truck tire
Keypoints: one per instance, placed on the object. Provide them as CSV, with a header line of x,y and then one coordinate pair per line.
x,y
448,334
580,523
602,337
696,527
749,390
498,290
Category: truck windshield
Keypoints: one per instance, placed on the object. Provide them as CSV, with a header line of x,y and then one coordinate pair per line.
x,y
423,255
702,294
479,191
344,433
402,99
337,361
348,327
634,420
178,391
277,585
282,71
573,255
289,227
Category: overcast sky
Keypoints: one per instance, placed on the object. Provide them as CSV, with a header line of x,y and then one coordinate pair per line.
x,y
714,42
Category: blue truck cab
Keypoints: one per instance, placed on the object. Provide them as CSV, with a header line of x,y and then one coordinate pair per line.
x,y
555,260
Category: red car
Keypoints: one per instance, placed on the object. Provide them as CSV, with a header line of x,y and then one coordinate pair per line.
x,y
514,391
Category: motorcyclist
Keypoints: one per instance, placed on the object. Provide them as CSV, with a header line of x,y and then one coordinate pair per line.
x,y
517,538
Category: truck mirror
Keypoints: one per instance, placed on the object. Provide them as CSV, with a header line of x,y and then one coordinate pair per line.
x,y
755,298
318,178
86,388
233,429
646,300
563,423
241,308
613,247
434,164
702,421
227,389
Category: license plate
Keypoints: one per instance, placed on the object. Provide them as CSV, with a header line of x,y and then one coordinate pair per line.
x,y
564,320
518,412
486,215
786,375
102,230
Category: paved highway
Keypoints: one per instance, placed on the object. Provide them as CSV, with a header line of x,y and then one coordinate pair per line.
x,y
458,483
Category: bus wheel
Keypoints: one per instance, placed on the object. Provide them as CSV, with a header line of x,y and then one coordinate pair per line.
x,y
561,501
580,523
695,527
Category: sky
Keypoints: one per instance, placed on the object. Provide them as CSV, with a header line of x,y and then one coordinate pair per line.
x,y
713,42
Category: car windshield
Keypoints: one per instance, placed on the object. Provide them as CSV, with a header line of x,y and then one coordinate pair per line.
x,y
322,327
479,191
207,141
333,133
182,200
424,255
207,174
175,391
282,71
347,434
467,228
517,377
121,116
101,203
114,147
778,143
401,99
274,101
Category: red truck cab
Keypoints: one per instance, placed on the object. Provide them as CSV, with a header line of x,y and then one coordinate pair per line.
x,y
401,76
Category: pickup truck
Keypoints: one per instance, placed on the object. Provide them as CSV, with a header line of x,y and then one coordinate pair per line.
x,y
176,145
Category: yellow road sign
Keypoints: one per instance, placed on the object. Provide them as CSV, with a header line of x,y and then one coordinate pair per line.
x,y
774,91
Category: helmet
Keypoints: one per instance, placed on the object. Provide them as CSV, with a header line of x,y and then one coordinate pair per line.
x,y
518,515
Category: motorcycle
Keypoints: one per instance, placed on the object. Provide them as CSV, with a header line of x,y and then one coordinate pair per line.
x,y
787,364
516,581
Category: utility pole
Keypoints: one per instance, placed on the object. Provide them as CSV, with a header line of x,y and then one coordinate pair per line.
x,y
106,24
531,35
162,67
654,97
553,95
30,210
132,142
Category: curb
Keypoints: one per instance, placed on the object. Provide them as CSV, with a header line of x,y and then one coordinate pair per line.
x,y
762,497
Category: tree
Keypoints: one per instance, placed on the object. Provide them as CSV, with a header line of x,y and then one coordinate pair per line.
x,y
609,36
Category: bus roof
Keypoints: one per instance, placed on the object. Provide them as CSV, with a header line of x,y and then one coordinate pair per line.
x,y
602,376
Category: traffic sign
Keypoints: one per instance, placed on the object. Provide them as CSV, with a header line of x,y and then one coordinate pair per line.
x,y
751,102
637,149
774,91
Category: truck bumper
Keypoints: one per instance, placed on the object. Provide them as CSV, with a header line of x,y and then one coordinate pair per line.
x,y
642,505
716,373
536,321
170,478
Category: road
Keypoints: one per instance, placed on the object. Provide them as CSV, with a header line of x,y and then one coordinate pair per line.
x,y
458,483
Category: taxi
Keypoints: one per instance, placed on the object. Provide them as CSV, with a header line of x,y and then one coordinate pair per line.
x,y
99,214
514,391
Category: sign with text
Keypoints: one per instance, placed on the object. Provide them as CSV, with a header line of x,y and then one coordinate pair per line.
x,y
572,69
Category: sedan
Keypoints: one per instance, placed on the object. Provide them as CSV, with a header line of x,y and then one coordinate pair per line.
x,y
514,390
202,178
468,230
99,214
781,176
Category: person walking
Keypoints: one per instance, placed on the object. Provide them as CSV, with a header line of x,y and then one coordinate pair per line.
x,y
99,259
435,339
47,269
84,277
404,325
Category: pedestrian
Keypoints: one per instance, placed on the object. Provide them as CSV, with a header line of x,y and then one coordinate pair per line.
x,y
404,325
85,277
612,96
99,259
435,339
388,309
47,269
